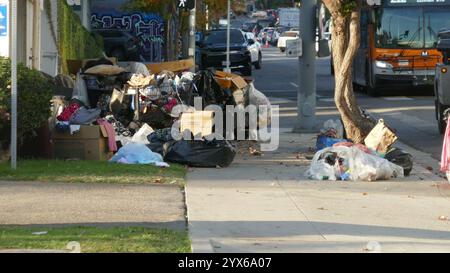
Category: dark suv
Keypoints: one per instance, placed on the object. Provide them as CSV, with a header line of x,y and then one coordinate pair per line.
x,y
213,50
120,44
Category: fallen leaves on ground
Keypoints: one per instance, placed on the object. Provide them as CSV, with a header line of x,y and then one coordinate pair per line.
x,y
254,152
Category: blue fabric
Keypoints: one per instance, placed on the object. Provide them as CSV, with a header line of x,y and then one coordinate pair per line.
x,y
326,142
135,153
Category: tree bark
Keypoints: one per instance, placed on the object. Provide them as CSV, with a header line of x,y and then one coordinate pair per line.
x,y
345,43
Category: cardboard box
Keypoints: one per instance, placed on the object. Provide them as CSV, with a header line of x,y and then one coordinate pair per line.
x,y
200,123
90,143
228,80
74,66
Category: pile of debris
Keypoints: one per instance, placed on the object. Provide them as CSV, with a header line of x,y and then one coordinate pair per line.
x,y
113,112
340,159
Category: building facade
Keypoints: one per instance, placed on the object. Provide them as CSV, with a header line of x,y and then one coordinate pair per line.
x,y
36,28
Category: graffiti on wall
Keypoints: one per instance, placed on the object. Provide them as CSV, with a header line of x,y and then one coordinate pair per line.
x,y
148,28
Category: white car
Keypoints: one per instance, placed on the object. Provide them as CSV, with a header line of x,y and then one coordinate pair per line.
x,y
288,35
255,49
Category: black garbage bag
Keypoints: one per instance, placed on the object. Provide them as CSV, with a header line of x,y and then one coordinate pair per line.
x,y
209,89
158,138
157,147
401,158
203,154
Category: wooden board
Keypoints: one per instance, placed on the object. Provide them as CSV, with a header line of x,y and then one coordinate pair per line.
x,y
176,66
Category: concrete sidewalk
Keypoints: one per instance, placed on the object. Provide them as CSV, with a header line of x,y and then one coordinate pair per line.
x,y
60,204
266,204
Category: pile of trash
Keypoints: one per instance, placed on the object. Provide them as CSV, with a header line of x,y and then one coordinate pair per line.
x,y
340,159
135,108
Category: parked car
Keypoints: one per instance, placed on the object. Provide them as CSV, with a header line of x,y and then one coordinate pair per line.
x,y
213,50
255,49
442,80
287,35
120,44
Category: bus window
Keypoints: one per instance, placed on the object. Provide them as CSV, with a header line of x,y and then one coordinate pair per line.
x,y
399,28
436,20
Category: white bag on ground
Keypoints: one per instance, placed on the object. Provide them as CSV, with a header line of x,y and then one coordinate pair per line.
x,y
141,135
258,99
362,166
80,90
336,125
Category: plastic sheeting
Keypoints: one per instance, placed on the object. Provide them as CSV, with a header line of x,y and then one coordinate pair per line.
x,y
136,153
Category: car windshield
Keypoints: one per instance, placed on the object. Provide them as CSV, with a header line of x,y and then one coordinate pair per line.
x,y
249,25
410,27
220,37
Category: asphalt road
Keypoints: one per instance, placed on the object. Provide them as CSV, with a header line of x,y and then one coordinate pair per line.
x,y
410,112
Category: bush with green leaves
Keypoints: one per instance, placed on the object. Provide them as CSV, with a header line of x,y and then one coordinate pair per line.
x,y
34,94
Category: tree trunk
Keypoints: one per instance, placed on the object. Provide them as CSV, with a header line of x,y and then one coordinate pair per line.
x,y
345,43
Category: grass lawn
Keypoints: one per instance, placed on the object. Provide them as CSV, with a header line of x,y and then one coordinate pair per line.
x,y
92,172
97,240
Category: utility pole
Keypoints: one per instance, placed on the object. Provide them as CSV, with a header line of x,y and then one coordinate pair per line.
x,y
306,104
227,69
192,19
14,85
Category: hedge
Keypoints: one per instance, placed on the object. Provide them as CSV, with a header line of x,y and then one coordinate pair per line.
x,y
74,41
34,94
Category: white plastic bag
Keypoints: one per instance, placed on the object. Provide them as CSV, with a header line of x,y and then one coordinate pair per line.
x,y
141,135
80,90
258,99
361,166
336,125
320,170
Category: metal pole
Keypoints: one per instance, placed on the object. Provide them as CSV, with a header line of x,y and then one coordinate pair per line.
x,y
228,70
306,103
192,20
14,84
207,17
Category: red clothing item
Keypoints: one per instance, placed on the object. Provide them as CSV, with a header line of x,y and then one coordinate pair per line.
x,y
68,112
111,134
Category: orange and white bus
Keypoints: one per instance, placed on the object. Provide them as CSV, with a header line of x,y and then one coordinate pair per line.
x,y
398,43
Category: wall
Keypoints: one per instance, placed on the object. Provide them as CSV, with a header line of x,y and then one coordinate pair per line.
x,y
74,40
49,49
147,27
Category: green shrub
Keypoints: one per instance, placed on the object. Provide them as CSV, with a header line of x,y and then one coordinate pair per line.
x,y
33,101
